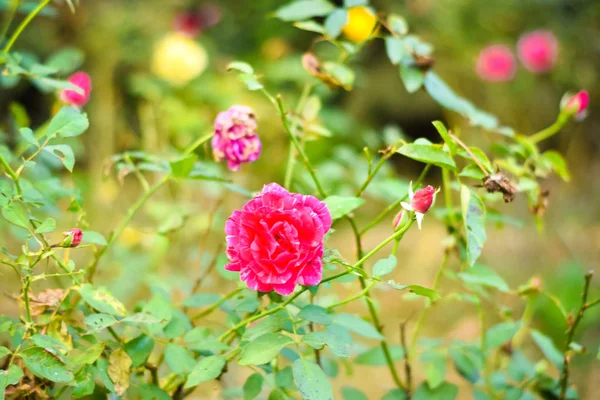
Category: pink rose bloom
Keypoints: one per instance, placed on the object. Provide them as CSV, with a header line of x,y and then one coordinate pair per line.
x,y
496,63
235,138
72,97
577,104
275,241
538,51
420,202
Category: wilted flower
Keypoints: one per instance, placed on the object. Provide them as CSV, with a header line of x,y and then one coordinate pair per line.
x,y
178,59
496,63
576,104
72,238
275,241
420,201
235,138
360,23
73,97
538,51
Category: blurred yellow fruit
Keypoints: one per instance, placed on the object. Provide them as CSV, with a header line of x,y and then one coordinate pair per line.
x,y
178,59
361,23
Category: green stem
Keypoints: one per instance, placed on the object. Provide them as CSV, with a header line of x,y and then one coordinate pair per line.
x,y
395,204
448,198
291,162
12,174
398,234
355,297
24,24
526,318
26,298
216,305
592,303
299,148
9,17
549,131
199,142
371,175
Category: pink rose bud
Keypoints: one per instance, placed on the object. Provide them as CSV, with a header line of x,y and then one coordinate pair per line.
x,y
423,199
496,63
72,238
235,138
577,104
72,97
398,219
275,241
538,51
188,24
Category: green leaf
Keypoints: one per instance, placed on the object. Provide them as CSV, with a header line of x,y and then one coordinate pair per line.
x,y
417,289
317,314
439,125
48,225
558,163
428,153
102,300
500,333
139,349
412,77
479,156
178,359
472,171
11,376
311,381
182,167
251,82
86,356
310,26
201,299
304,9
240,66
50,344
84,382
397,24
396,52
547,347
473,215
102,366
94,238
340,73
4,351
264,348
336,340
482,275
354,3
384,266
29,137
350,393
46,365
253,386
445,391
118,369
435,372
395,394
375,356
66,60
335,22
466,364
339,206
357,325
64,153
267,325
16,214
153,392
205,370
67,122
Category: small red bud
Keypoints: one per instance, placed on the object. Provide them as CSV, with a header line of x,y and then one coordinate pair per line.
x,y
76,235
398,219
422,199
577,105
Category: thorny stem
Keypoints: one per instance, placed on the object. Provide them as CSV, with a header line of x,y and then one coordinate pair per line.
x,y
470,153
395,204
299,148
372,174
551,130
564,376
355,297
24,24
289,171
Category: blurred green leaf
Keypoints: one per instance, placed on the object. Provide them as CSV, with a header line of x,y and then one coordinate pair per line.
x,y
315,314
548,348
310,26
10,376
118,369
253,386
428,153
499,334
397,24
472,171
240,66
482,275
102,300
87,355
350,393
337,343
357,325
64,153
412,77
558,163
395,394
182,167
465,364
304,9
395,50
441,128
178,359
48,225
16,214
335,22
384,266
264,348
445,391
311,381
139,349
339,206
473,213
435,370
29,137
94,238
376,357
67,122
66,60
4,351
208,368
416,289
97,322
46,365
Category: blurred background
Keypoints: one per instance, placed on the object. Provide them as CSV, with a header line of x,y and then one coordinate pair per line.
x,y
144,100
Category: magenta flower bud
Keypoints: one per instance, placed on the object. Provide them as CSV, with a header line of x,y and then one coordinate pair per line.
x,y
496,63
398,219
72,97
235,138
188,24
577,104
538,51
75,235
423,199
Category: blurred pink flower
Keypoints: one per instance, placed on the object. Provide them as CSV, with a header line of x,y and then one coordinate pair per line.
x,y
538,51
235,138
72,97
577,104
496,63
192,23
275,241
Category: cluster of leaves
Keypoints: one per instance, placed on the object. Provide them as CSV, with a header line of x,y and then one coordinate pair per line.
x,y
79,340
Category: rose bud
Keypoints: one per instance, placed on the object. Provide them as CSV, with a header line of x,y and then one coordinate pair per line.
x,y
420,201
275,241
496,63
73,97
235,138
398,219
538,51
72,238
576,105
188,24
